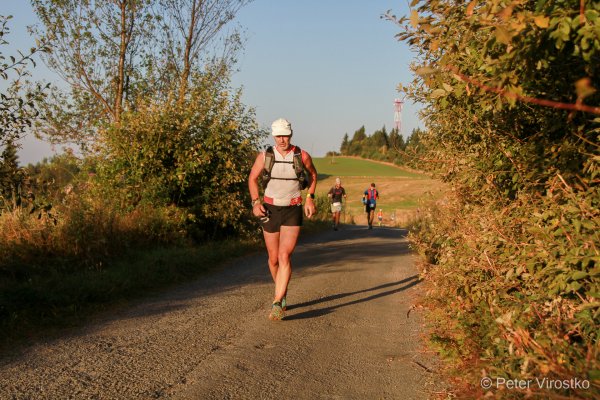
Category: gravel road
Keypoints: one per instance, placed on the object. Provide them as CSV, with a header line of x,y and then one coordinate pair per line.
x,y
346,334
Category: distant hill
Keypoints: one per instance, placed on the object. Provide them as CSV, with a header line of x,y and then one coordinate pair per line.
x,y
350,166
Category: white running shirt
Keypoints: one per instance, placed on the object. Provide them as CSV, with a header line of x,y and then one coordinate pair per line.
x,y
283,191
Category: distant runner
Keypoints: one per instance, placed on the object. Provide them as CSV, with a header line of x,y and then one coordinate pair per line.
x,y
281,208
336,194
370,201
380,216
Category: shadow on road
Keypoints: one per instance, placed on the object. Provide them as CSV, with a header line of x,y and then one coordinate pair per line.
x,y
408,283
352,243
321,253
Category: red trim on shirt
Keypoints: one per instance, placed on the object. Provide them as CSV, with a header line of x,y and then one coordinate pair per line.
x,y
293,202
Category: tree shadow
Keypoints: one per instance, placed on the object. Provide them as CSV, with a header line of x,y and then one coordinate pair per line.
x,y
408,283
323,253
341,246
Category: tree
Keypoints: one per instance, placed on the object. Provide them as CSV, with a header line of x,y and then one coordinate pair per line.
x,y
192,155
379,138
359,135
499,79
20,102
414,139
396,140
97,48
190,27
115,54
11,178
512,105
345,145
51,179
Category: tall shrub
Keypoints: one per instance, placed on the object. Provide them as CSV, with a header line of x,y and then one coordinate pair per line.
x,y
512,117
195,155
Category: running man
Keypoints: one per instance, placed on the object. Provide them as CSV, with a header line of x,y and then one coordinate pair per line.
x,y
370,201
380,216
281,207
336,194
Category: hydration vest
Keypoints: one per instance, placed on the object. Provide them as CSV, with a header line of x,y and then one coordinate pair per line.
x,y
301,176
372,195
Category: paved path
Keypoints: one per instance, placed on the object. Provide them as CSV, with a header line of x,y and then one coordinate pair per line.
x,y
346,335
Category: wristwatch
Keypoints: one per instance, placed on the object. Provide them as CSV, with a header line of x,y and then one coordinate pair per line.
x,y
255,202
311,195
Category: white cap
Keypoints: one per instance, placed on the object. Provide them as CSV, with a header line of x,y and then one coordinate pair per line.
x,y
338,181
281,127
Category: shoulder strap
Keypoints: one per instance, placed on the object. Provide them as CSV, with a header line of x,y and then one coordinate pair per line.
x,y
303,177
268,166
298,163
269,159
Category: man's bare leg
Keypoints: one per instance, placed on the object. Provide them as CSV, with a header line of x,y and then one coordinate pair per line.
x,y
272,243
281,244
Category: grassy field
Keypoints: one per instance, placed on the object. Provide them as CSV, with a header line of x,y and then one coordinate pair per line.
x,y
356,167
400,191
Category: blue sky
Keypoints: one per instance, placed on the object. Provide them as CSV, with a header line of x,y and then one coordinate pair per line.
x,y
328,66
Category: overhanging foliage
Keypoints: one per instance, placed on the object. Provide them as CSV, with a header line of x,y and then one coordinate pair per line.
x,y
512,113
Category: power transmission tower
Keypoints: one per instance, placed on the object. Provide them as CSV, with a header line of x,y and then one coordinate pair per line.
x,y
398,104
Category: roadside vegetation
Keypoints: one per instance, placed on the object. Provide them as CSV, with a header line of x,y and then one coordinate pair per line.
x,y
159,139
512,253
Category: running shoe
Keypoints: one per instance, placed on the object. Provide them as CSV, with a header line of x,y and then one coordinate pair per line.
x,y
276,312
284,304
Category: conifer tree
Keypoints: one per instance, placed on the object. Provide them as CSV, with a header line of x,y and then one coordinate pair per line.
x,y
359,135
11,178
345,144
380,138
396,141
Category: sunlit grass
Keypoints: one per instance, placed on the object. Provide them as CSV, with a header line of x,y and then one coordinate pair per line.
x,y
347,166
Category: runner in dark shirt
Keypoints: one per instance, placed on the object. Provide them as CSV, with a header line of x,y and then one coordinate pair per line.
x,y
336,195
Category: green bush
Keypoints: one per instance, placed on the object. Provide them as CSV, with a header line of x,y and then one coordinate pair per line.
x,y
512,254
195,155
323,206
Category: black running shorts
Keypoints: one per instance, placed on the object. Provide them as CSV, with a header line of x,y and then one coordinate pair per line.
x,y
368,207
282,216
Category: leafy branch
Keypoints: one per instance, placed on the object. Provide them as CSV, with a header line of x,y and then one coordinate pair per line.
x,y
578,106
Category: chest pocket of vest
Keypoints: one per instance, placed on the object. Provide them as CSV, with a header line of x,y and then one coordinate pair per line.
x,y
301,176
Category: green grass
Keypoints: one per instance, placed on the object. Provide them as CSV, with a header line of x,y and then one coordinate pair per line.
x,y
403,204
345,166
